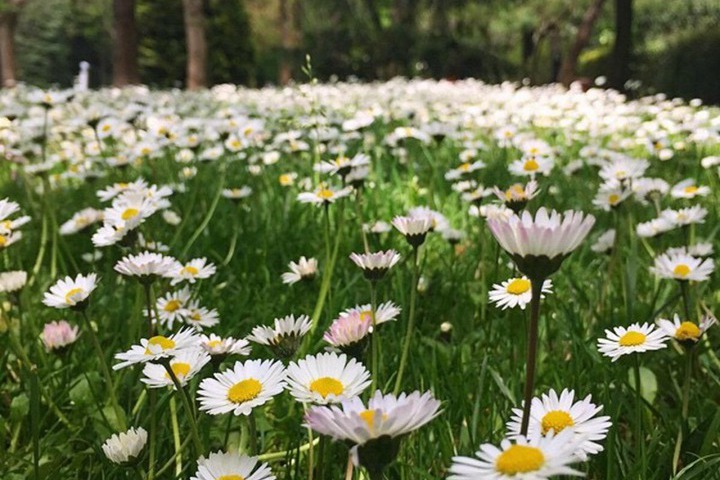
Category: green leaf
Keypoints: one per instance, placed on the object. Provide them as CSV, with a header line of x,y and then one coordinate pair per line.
x,y
19,407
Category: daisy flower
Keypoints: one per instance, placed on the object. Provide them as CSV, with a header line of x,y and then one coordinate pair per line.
x,y
685,331
12,281
516,292
551,413
242,388
473,193
198,268
375,265
304,269
155,348
125,448
384,312
185,365
685,216
237,194
200,317
610,197
654,227
58,335
81,220
326,378
323,195
437,220
536,457
539,244
688,189
518,195
634,339
464,169
347,330
681,266
529,166
71,293
172,307
216,345
231,466
147,266
284,336
413,228
622,169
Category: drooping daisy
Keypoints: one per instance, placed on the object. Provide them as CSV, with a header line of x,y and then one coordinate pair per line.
x,y
634,339
231,466
684,267
195,269
323,195
413,228
284,336
539,244
58,335
516,292
551,413
219,346
172,306
147,266
685,332
185,365
688,189
125,448
375,265
536,457
304,269
326,378
12,281
155,348
384,416
71,293
242,388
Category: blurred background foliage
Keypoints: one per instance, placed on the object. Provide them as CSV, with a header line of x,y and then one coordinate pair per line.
x,y
676,43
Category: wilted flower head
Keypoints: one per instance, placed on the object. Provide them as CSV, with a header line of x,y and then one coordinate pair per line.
x,y
57,335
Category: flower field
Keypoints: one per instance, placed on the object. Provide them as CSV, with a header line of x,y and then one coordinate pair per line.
x,y
403,280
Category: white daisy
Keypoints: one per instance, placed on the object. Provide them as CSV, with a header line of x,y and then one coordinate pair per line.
x,y
685,216
242,388
323,195
438,221
155,348
58,335
200,317
237,193
304,269
284,336
198,268
348,330
375,265
172,307
185,365
684,331
384,312
413,228
147,265
536,457
681,266
688,189
71,293
12,281
634,339
81,220
654,227
530,166
609,197
326,378
125,448
517,196
516,292
552,414
231,466
216,345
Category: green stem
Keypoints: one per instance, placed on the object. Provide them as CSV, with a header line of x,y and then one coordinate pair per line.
x,y
411,322
252,433
685,290
275,456
358,207
311,454
687,381
153,434
208,216
176,437
321,455
186,404
147,286
639,443
531,358
374,338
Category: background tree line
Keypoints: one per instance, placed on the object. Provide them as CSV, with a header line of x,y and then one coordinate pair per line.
x,y
669,45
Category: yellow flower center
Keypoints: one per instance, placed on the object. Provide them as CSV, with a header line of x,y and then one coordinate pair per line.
x,y
214,343
159,341
286,179
632,339
105,128
7,224
325,194
190,270
180,369
515,191
130,213
173,305
368,417
518,286
70,296
519,459
690,190
366,316
3,240
235,144
195,316
531,165
325,386
231,477
688,331
244,391
464,167
556,420
614,199
681,270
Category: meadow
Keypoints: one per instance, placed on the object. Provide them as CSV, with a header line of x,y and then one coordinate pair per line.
x,y
248,267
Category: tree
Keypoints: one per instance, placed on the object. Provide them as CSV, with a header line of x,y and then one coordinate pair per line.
x,y
569,66
9,11
622,50
196,44
125,44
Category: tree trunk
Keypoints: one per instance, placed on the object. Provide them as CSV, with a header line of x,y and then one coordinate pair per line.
x,y
125,46
569,66
8,21
196,44
622,50
284,70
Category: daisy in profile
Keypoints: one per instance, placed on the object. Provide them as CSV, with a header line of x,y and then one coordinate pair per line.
x,y
385,416
12,281
147,266
125,448
284,336
686,332
347,333
81,220
472,192
217,346
688,189
303,269
413,228
237,194
71,293
375,265
551,413
326,378
323,195
634,339
196,269
242,388
685,216
185,365
654,227
438,221
385,312
171,307
516,292
536,457
155,348
231,466
683,267
58,335
518,195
